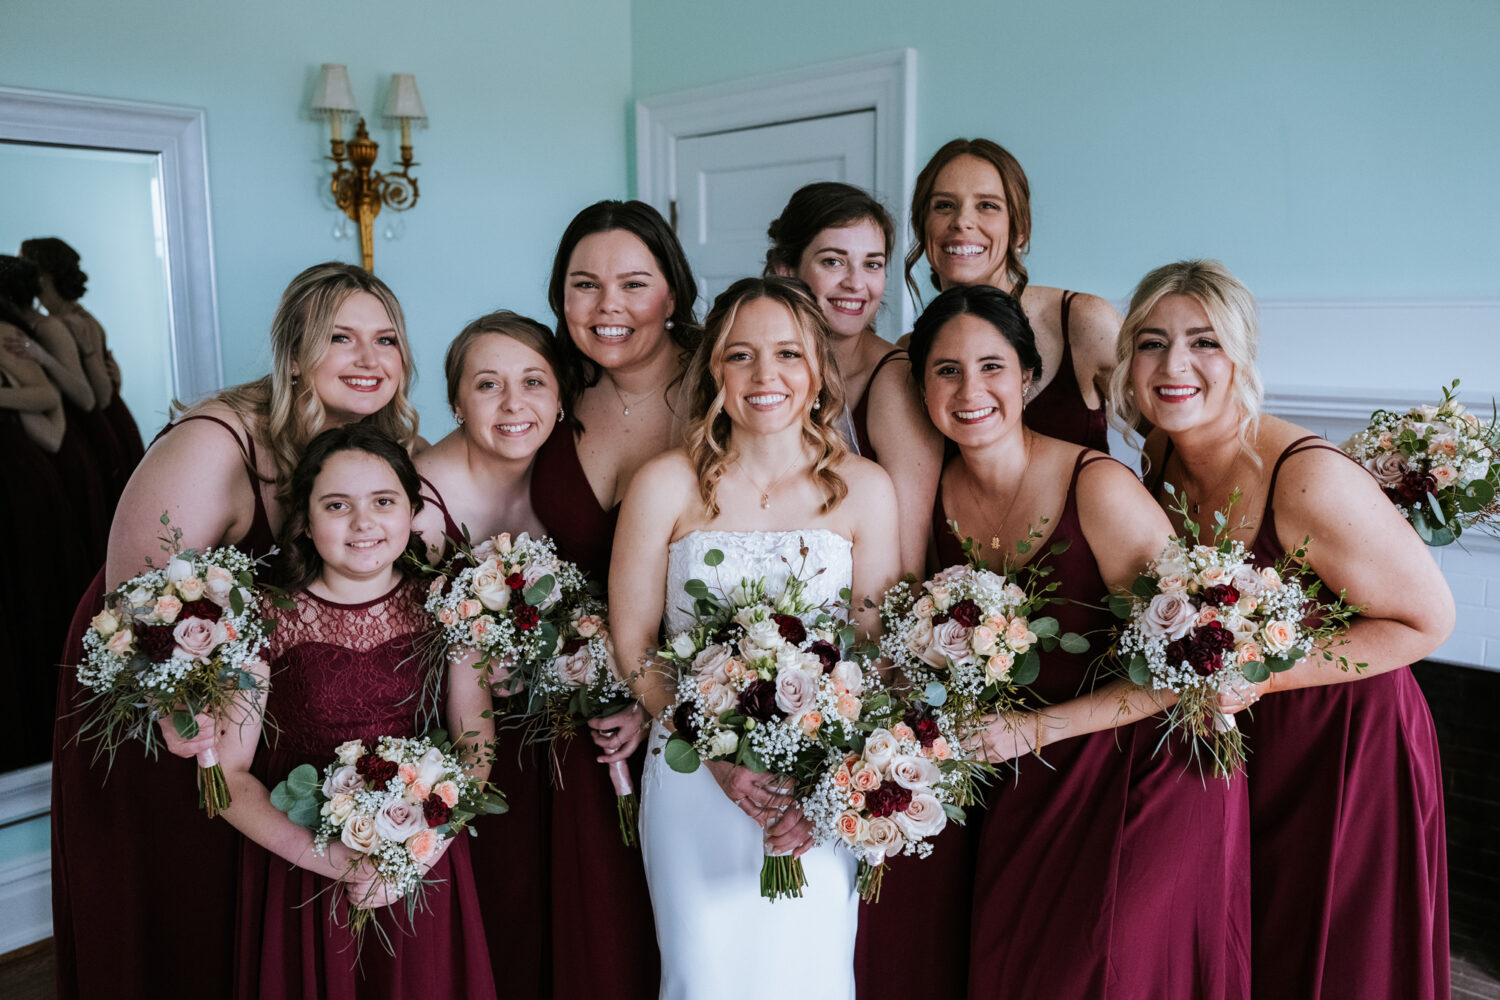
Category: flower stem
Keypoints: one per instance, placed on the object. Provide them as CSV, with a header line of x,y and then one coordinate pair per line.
x,y
213,792
870,878
629,807
781,877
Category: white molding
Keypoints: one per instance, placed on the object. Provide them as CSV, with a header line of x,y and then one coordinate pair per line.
x,y
26,901
176,136
885,82
25,793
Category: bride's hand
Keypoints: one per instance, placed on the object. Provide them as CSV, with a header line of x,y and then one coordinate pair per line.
x,y
791,833
762,797
618,735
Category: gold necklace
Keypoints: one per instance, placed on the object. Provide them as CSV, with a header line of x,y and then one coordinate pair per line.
x,y
765,493
979,505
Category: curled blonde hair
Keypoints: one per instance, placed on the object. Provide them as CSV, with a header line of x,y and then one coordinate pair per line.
x,y
1230,309
709,427
301,335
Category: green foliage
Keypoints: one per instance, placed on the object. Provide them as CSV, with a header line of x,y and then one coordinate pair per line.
x,y
535,594
1027,668
713,557
1072,642
1140,671
680,754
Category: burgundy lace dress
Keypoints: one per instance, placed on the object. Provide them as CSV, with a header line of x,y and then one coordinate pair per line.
x,y
1110,867
1059,410
114,841
341,672
600,905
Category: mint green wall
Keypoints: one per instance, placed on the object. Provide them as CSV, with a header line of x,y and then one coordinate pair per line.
x,y
528,106
1339,148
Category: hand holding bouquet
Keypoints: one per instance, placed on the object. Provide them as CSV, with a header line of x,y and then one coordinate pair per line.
x,y
1202,617
393,805
1439,464
174,643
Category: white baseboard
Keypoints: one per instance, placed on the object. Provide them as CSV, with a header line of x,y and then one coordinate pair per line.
x,y
25,880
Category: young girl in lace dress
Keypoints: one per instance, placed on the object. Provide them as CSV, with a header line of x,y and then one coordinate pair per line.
x,y
347,663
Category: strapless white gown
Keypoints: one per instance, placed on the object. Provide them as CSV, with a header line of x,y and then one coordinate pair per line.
x,y
719,938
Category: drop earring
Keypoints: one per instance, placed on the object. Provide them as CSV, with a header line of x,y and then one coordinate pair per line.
x,y
460,418
818,403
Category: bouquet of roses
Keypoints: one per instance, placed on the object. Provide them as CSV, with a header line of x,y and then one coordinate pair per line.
x,y
175,642
967,640
581,683
1439,464
393,805
768,681
893,789
1202,616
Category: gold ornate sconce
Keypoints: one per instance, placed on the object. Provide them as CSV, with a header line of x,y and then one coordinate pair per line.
x,y
360,190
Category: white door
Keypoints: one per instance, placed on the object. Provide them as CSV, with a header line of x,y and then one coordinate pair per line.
x,y
732,184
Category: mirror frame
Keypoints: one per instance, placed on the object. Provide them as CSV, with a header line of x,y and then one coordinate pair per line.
x,y
175,135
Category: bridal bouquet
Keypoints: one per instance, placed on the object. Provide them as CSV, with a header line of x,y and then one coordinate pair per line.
x,y
581,683
767,680
1202,616
1439,464
967,640
392,804
174,642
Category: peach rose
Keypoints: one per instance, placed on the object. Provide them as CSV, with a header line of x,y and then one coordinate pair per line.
x,y
448,792
167,609
715,698
190,589
984,640
1213,576
1279,636
1207,615
359,834
121,643
194,637
903,732
848,706
941,596
1444,475
810,723
488,584
589,626
408,775
852,826
105,623
422,845
940,749
1247,653
224,631
856,800
436,586
997,667
841,778
1019,634
1270,578
923,607
865,777
418,791
469,608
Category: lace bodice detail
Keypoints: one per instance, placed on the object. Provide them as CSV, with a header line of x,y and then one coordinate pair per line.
x,y
341,671
774,555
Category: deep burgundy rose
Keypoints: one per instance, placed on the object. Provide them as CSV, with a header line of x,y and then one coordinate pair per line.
x,y
572,646
888,798
1204,661
156,642
1177,651
435,811
758,700
791,628
1412,489
686,722
939,618
526,616
1213,637
376,770
1222,594
827,652
965,612
722,637
927,732
201,608
516,581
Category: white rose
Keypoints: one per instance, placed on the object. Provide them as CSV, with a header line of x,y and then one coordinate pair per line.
x,y
723,743
914,772
179,569
847,678
714,662
430,767
399,819
350,751
339,807
795,691
488,584
531,574
1246,579
682,645
345,780
359,834
141,597
190,589
761,639
942,597
880,748
884,835
923,818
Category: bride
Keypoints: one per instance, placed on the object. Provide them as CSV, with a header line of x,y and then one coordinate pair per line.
x,y
763,476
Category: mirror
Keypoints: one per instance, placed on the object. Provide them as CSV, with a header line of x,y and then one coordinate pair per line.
x,y
126,184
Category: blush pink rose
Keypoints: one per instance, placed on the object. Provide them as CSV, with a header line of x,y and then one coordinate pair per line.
x,y
950,640
469,608
1388,469
848,706
359,834
795,691
914,772
574,668
194,638
1018,633
865,777
810,723
219,582
884,834
714,662
1169,616
924,817
344,780
399,819
122,643
847,677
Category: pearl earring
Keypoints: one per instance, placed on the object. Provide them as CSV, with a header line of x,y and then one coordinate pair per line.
x,y
559,414
669,324
818,403
460,418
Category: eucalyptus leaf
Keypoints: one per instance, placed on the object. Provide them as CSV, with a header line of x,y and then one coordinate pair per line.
x,y
1140,670
304,780
696,589
306,813
954,813
1279,663
1256,671
1027,669
1044,626
713,557
539,591
1120,606
1144,586
935,694
680,755
1072,642
236,602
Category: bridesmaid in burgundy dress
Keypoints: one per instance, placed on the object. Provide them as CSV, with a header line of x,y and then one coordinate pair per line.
x,y
1349,876
623,294
339,355
503,387
347,663
1106,865
837,239
971,209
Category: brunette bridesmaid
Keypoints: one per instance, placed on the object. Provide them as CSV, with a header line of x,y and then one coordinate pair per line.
x,y
1349,876
623,293
505,395
838,239
971,215
1107,867
137,844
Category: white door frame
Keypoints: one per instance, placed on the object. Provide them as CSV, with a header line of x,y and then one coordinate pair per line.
x,y
885,83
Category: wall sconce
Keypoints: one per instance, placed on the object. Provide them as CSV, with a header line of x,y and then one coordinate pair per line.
x,y
359,190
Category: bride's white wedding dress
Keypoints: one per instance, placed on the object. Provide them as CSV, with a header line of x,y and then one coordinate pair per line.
x,y
719,938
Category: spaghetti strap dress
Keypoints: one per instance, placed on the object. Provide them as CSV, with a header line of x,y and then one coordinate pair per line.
x,y
1108,867
1059,410
143,884
600,904
342,672
36,604
859,415
511,853
1349,856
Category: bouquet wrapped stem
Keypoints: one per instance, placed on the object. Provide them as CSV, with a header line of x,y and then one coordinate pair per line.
x,y
868,880
213,791
627,803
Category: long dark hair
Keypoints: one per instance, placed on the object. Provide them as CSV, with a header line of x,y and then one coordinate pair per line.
x,y
998,309
576,371
299,563
58,261
814,208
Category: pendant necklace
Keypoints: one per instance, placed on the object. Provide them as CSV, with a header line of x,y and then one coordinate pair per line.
x,y
1221,481
765,492
979,505
625,403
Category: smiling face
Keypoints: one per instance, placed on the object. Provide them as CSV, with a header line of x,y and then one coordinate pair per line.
x,y
362,367
767,380
617,300
507,397
359,517
967,229
974,384
845,269
1180,374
